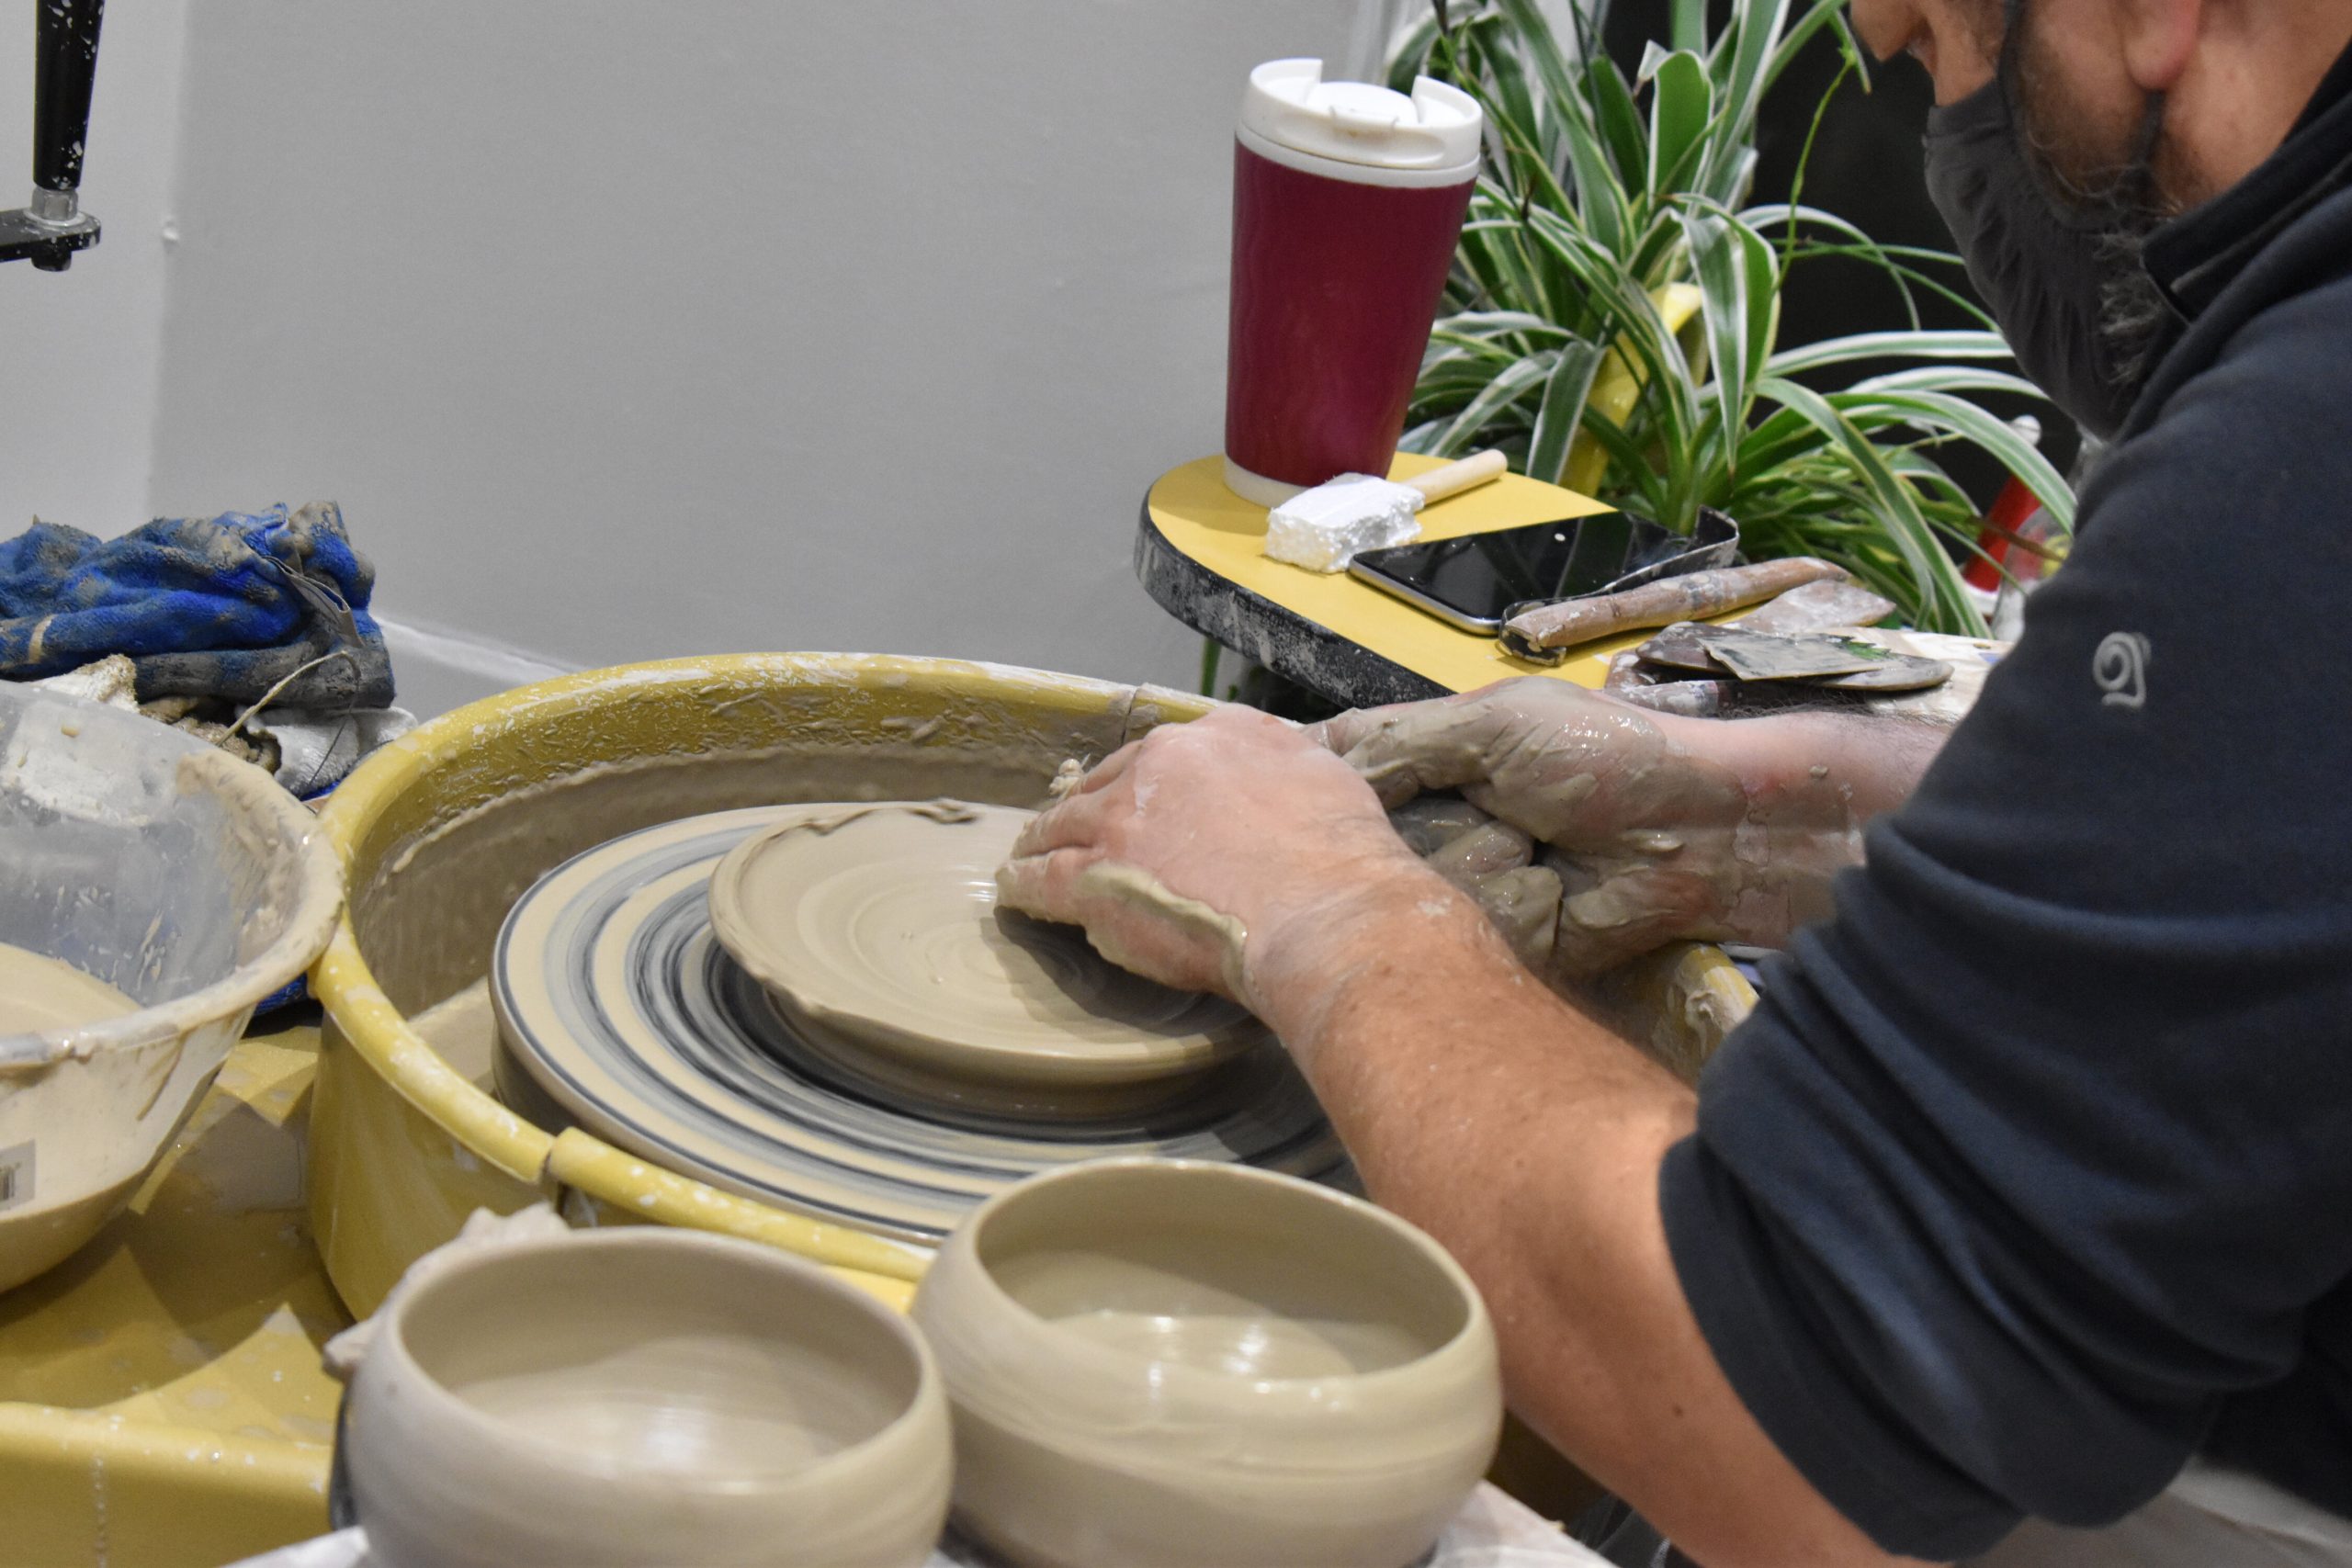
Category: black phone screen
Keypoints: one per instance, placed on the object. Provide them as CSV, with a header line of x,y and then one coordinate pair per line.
x,y
1473,579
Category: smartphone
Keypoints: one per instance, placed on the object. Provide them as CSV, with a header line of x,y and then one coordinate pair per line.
x,y
1476,581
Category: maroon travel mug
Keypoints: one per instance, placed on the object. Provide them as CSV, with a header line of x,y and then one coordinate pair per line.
x,y
1347,201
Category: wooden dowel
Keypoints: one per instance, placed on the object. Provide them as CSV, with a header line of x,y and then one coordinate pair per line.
x,y
1691,598
1465,473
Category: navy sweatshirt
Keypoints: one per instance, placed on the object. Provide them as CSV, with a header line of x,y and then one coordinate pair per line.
x,y
2032,1176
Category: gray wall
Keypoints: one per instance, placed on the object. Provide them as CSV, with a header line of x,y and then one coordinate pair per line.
x,y
80,350
630,328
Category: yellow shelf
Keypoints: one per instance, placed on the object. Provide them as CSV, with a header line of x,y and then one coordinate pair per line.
x,y
162,1401
1216,530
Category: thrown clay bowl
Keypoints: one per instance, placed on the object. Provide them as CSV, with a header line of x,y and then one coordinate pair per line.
x,y
1159,1364
639,1395
875,929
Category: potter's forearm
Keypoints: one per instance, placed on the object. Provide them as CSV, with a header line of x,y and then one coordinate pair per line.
x,y
1527,1139
1475,1102
1806,785
1820,766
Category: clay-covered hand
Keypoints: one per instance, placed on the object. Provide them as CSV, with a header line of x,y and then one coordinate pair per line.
x,y
1658,828
1196,854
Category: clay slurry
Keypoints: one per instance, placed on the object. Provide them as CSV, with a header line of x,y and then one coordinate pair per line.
x,y
1140,1296
40,994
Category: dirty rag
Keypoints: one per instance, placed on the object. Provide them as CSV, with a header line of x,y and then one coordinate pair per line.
x,y
309,750
224,607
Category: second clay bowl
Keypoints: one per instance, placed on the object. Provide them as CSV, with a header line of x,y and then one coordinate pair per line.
x,y
1163,1363
640,1396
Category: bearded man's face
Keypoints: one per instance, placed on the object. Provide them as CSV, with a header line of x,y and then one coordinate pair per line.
x,y
2097,155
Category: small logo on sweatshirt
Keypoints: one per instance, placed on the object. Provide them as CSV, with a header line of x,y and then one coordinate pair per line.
x,y
2121,667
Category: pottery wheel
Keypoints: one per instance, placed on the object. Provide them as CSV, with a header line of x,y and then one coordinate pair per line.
x,y
877,931
617,1004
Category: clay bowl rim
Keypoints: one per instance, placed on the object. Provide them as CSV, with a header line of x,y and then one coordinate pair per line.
x,y
1475,1332
927,1402
1044,1066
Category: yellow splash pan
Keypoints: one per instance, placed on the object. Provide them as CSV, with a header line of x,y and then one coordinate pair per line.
x,y
162,1403
442,830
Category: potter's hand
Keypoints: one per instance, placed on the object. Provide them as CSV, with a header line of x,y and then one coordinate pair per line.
x,y
1660,829
1201,855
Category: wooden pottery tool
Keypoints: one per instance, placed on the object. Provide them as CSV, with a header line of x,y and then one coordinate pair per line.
x,y
1760,656
1818,606
1839,663
1546,632
1323,529
1898,672
1679,648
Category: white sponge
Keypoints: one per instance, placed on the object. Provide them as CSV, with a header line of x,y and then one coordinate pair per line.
x,y
1324,528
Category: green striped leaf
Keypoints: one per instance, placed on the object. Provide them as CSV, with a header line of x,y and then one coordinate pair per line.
x,y
1680,105
1556,422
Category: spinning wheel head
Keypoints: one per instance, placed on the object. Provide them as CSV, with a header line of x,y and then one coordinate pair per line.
x,y
621,1010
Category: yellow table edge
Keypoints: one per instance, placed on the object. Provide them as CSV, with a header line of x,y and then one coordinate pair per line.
x,y
155,1382
1214,528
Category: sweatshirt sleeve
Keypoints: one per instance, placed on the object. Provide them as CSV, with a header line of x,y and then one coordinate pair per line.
x,y
2040,1149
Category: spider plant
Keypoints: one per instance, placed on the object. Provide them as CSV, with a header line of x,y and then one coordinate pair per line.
x,y
1613,317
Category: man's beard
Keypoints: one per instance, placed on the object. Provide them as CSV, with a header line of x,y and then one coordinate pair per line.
x,y
2116,194
2134,319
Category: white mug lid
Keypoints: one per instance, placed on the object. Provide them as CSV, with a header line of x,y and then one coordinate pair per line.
x,y
1290,105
